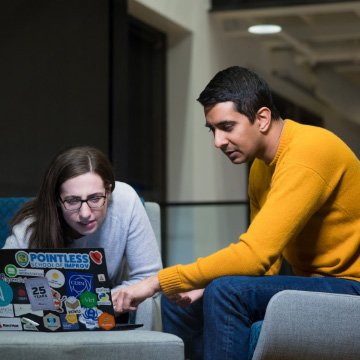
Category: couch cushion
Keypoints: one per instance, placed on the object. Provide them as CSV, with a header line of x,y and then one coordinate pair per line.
x,y
254,337
104,345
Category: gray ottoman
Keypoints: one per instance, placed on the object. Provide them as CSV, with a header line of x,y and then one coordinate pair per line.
x,y
104,345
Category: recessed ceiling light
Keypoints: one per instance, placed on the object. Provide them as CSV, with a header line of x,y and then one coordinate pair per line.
x,y
264,29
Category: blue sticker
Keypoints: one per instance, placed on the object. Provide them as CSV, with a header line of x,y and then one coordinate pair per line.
x,y
22,258
69,322
77,283
6,293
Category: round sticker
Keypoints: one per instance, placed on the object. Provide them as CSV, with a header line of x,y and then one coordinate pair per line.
x,y
6,293
56,278
11,270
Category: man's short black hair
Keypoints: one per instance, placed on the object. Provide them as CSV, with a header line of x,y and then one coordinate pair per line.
x,y
248,91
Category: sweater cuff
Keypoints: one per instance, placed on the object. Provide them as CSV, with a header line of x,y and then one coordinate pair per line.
x,y
170,281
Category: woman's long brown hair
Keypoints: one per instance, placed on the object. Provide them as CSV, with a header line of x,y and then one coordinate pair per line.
x,y
49,229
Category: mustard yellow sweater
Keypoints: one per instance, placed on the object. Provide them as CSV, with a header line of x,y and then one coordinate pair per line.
x,y
305,206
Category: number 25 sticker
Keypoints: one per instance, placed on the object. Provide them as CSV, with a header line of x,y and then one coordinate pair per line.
x,y
39,293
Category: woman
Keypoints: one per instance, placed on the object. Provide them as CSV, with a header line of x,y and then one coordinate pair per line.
x,y
80,205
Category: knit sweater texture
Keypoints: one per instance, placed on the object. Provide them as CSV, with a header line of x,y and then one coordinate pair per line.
x,y
126,233
304,206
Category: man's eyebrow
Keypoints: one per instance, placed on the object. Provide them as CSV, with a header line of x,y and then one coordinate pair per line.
x,y
220,123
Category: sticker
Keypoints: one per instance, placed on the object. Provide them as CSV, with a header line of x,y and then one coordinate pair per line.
x,y
7,311
72,305
104,299
29,324
11,270
77,283
22,309
22,258
88,299
89,317
30,272
39,293
96,257
52,322
6,293
106,321
12,280
20,295
10,324
56,260
101,277
56,278
69,322
57,300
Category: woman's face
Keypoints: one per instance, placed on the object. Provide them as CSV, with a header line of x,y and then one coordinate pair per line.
x,y
89,186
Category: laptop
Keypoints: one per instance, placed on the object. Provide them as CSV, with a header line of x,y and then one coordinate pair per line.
x,y
54,290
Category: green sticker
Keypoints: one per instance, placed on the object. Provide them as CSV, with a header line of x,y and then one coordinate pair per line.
x,y
88,299
11,270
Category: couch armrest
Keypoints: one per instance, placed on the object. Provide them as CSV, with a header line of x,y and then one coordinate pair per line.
x,y
309,325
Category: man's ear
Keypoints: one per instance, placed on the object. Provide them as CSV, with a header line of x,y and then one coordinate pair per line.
x,y
263,118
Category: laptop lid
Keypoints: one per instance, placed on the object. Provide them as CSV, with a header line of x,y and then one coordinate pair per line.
x,y
55,290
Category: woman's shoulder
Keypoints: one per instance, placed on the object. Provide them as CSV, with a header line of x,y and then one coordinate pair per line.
x,y
123,191
123,197
19,236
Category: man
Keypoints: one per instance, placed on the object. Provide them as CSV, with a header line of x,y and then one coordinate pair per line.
x,y
304,196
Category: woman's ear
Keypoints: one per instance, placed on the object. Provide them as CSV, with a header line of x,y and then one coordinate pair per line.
x,y
263,117
108,191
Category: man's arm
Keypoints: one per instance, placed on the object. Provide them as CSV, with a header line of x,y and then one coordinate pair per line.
x,y
129,298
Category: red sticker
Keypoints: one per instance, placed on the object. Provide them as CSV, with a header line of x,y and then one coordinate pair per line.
x,y
96,257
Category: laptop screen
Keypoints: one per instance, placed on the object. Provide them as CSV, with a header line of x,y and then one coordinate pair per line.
x,y
55,290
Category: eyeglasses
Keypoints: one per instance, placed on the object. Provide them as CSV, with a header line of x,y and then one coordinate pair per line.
x,y
74,204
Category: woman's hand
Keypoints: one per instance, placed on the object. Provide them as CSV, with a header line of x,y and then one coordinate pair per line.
x,y
129,298
186,298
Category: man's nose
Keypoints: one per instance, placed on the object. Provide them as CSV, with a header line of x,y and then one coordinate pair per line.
x,y
220,138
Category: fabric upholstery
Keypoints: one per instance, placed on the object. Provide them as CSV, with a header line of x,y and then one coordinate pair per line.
x,y
8,208
306,325
255,330
107,345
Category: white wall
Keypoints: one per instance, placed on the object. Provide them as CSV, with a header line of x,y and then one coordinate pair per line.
x,y
196,170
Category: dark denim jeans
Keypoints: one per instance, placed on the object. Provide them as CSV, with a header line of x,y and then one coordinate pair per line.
x,y
218,326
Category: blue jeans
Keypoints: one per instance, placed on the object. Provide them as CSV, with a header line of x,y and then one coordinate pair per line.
x,y
218,325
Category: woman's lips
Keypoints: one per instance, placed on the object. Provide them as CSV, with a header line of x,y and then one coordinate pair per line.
x,y
87,225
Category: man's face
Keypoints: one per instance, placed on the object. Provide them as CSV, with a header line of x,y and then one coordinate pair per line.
x,y
233,133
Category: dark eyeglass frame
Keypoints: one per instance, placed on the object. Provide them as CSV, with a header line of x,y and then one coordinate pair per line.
x,y
84,201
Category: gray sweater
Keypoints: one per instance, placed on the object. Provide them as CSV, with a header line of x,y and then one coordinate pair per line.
x,y
125,233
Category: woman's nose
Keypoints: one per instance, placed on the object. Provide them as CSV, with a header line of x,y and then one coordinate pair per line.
x,y
85,210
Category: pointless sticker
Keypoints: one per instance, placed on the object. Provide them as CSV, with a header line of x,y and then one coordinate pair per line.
x,y
53,260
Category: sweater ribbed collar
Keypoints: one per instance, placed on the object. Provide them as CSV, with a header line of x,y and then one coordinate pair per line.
x,y
283,141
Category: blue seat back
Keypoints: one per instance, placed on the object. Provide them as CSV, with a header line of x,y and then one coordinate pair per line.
x,y
8,208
